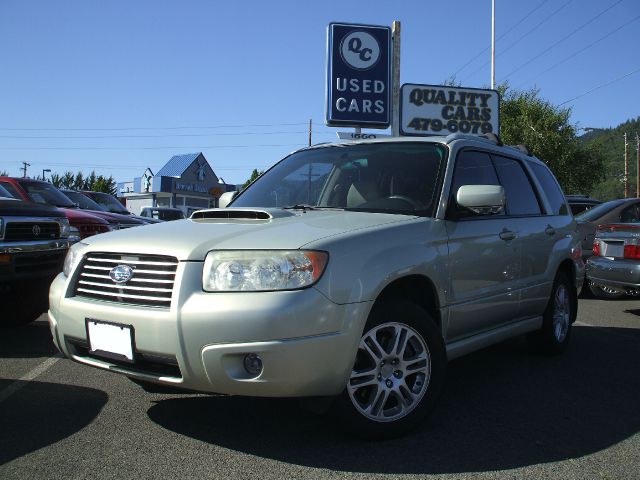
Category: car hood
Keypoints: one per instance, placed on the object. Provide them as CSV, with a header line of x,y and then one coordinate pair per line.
x,y
15,207
238,229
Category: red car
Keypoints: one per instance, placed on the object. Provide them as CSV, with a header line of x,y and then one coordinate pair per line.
x,y
44,193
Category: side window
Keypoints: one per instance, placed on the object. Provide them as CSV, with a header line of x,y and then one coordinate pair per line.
x,y
551,189
521,198
473,168
12,190
630,214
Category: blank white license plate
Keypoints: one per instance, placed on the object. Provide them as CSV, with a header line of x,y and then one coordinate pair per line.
x,y
110,340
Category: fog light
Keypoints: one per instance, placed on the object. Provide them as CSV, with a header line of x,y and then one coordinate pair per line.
x,y
253,364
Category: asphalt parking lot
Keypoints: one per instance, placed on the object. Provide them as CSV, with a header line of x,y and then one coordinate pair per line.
x,y
506,413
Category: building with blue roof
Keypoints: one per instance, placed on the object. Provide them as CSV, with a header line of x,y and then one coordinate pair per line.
x,y
186,181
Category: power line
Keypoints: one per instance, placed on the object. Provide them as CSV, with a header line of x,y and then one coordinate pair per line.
x,y
529,32
201,127
599,87
500,37
68,137
582,50
563,39
183,147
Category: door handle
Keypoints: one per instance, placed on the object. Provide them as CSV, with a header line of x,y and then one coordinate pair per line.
x,y
507,235
550,230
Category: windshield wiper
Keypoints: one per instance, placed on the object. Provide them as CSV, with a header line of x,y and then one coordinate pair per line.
x,y
300,206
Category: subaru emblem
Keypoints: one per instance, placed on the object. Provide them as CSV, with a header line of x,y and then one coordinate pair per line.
x,y
121,274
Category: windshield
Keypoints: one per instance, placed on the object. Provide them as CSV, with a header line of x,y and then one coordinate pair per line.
x,y
598,211
82,200
47,194
402,177
108,203
4,193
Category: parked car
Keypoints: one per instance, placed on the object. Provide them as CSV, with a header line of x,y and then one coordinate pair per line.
x,y
613,270
348,271
34,240
580,203
624,210
162,213
85,202
83,224
109,203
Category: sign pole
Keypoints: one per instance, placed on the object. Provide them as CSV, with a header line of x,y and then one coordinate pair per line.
x,y
395,80
493,44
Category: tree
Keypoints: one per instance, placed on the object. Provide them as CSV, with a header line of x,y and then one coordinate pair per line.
x,y
254,175
527,119
4,173
98,183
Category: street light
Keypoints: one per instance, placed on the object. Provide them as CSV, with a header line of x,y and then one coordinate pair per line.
x,y
45,170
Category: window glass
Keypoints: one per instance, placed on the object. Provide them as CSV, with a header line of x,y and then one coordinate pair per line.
x,y
630,214
551,188
473,168
521,198
393,177
11,189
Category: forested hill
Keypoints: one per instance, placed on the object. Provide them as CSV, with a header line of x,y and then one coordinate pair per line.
x,y
610,143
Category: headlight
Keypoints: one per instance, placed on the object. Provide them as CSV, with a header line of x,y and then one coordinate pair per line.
x,y
262,270
65,228
1,229
74,255
74,234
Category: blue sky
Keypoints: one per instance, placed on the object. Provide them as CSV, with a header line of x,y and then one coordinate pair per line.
x,y
112,86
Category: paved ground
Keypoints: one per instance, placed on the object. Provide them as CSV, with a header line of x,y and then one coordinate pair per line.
x,y
506,413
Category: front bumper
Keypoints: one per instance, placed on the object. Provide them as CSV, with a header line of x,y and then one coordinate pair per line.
x,y
29,260
306,342
617,273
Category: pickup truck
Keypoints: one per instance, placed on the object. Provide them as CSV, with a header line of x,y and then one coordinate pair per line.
x,y
83,224
34,240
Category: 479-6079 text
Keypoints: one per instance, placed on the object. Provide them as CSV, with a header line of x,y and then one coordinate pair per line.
x,y
453,126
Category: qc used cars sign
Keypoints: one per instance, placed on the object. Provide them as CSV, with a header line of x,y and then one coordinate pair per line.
x,y
358,75
440,110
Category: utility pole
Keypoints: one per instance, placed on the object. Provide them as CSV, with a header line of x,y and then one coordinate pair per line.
x,y
626,167
24,169
310,131
637,165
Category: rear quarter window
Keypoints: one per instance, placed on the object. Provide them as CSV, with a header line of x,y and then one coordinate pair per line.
x,y
551,188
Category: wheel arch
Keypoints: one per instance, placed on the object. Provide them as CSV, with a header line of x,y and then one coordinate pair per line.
x,y
417,289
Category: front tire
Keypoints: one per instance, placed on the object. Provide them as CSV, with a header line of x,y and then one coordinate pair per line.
x,y
398,372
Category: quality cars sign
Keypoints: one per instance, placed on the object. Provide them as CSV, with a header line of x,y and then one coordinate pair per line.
x,y
358,75
438,110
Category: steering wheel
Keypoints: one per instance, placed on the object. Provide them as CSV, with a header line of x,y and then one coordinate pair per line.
x,y
406,199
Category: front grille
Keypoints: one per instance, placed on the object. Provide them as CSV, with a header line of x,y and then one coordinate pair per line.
x,y
49,262
89,230
151,284
31,230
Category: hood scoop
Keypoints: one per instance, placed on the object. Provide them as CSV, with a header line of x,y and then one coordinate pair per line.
x,y
239,214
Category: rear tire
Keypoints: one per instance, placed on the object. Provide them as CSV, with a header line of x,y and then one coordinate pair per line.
x,y
558,317
398,372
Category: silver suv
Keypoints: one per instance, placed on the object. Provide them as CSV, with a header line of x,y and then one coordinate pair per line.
x,y
350,270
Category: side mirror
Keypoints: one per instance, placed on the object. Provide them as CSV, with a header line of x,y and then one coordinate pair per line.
x,y
482,199
226,198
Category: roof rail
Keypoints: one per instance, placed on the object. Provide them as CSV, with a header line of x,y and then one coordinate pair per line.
x,y
490,137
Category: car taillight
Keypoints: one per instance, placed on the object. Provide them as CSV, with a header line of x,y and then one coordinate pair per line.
x,y
632,251
596,248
